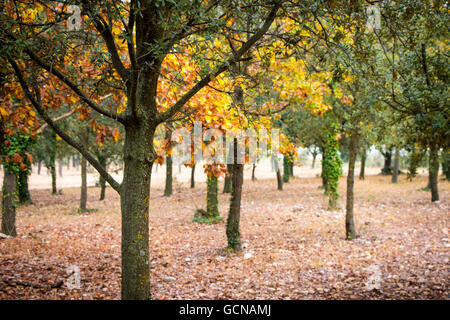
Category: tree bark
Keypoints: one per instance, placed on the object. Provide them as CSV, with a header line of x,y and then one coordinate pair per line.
x,y
323,174
39,167
193,177
52,160
434,171
446,163
387,168
227,180
168,187
8,204
363,165
169,164
233,221
135,195
277,170
83,196
253,172
22,186
396,165
286,169
212,201
102,181
350,232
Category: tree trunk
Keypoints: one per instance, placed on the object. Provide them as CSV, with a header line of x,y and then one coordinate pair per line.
x,y
8,204
102,189
135,195
102,181
446,163
434,171
363,165
53,174
169,164
233,221
314,154
277,170
168,186
227,180
74,161
52,161
396,165
193,177
350,232
83,197
22,186
387,168
39,167
286,169
253,172
212,201
323,174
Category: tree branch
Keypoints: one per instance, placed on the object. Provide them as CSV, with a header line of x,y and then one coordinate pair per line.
x,y
62,117
75,144
225,66
105,31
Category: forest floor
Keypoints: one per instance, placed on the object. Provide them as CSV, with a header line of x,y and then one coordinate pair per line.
x,y
293,247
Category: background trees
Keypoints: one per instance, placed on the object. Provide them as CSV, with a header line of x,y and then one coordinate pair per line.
x,y
310,69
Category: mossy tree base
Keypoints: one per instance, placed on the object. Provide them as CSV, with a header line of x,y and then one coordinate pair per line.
x,y
201,216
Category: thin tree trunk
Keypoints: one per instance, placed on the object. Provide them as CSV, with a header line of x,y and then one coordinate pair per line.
x,y
169,163
233,221
102,189
387,168
168,186
8,204
253,172
350,232
446,163
53,174
323,174
102,181
396,165
363,165
433,174
314,159
193,177
52,164
286,169
83,197
277,170
39,167
227,180
22,186
212,201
